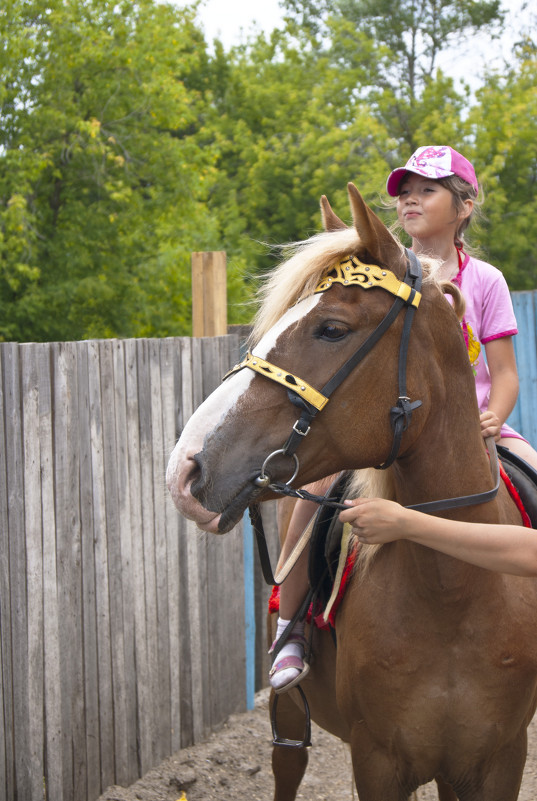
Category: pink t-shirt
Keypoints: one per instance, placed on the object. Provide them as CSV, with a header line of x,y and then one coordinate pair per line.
x,y
489,315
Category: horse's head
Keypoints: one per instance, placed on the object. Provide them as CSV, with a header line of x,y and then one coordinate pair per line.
x,y
312,321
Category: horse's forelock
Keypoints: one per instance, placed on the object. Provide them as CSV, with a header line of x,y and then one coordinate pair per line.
x,y
297,276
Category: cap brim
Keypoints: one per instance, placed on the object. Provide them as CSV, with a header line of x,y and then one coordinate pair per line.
x,y
394,179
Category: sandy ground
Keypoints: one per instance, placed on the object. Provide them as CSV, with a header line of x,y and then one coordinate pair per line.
x,y
235,763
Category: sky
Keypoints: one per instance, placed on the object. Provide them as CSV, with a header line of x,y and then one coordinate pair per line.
x,y
225,18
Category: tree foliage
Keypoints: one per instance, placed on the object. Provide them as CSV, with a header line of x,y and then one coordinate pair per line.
x,y
127,142
103,177
506,159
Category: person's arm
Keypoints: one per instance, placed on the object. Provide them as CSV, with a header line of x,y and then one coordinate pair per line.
x,y
504,385
502,548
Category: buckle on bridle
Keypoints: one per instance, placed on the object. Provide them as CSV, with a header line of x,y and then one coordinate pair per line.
x,y
298,431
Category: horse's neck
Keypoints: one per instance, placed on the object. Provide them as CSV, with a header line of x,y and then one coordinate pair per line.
x,y
442,469
448,463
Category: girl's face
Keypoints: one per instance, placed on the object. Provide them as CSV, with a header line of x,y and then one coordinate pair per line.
x,y
426,209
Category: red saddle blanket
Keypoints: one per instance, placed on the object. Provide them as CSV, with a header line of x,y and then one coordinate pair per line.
x,y
317,614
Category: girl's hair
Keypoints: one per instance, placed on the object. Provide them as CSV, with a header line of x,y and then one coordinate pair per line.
x,y
461,190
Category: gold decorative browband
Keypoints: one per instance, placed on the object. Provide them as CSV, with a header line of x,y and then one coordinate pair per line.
x,y
353,272
349,272
302,388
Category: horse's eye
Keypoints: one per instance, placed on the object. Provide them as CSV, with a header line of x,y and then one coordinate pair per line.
x,y
332,331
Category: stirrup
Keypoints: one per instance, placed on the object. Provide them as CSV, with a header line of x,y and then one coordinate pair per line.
x,y
284,741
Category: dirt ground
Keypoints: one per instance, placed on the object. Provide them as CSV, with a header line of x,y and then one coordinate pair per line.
x,y
235,763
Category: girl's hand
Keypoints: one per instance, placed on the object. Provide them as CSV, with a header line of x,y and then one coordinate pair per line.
x,y
491,425
375,520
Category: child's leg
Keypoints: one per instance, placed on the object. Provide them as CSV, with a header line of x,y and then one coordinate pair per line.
x,y
521,448
289,663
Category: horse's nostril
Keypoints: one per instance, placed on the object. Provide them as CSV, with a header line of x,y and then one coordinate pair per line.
x,y
195,475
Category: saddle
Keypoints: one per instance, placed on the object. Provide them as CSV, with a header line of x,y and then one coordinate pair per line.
x,y
524,479
325,545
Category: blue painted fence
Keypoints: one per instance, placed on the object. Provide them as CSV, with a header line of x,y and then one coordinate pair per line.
x,y
523,417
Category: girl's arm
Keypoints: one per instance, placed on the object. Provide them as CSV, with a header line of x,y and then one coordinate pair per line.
x,y
502,548
504,385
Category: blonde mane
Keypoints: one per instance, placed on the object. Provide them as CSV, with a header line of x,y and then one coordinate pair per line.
x,y
297,276
369,483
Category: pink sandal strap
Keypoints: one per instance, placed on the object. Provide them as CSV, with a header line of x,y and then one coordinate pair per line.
x,y
287,662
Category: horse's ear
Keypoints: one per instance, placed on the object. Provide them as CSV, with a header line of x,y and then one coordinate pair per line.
x,y
331,221
373,233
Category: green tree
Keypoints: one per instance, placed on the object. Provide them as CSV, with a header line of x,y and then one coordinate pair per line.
x,y
399,68
288,129
344,92
505,135
103,176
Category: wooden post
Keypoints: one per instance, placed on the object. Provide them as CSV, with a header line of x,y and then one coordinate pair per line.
x,y
209,298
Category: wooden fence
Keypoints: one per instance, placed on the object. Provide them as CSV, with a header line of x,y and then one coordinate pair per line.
x,y
121,636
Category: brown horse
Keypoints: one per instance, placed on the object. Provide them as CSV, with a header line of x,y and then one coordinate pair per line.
x,y
434,674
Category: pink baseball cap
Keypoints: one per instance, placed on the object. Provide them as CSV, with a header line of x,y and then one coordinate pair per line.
x,y
433,162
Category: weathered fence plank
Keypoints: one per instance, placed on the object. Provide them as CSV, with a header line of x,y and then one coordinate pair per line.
x,y
18,635
126,760
88,584
54,770
158,467
7,615
34,669
69,564
99,377
144,700
168,392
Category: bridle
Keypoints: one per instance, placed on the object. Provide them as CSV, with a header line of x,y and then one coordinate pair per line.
x,y
350,271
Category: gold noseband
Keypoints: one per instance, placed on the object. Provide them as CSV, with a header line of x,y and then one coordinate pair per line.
x,y
288,380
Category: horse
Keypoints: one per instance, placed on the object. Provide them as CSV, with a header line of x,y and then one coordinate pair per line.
x,y
432,673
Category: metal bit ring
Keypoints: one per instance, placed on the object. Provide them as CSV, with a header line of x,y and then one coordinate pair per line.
x,y
263,480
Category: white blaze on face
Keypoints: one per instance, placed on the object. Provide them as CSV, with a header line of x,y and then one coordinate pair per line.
x,y
181,468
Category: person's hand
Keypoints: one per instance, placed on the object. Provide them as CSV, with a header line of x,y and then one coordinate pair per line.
x,y
490,425
375,520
